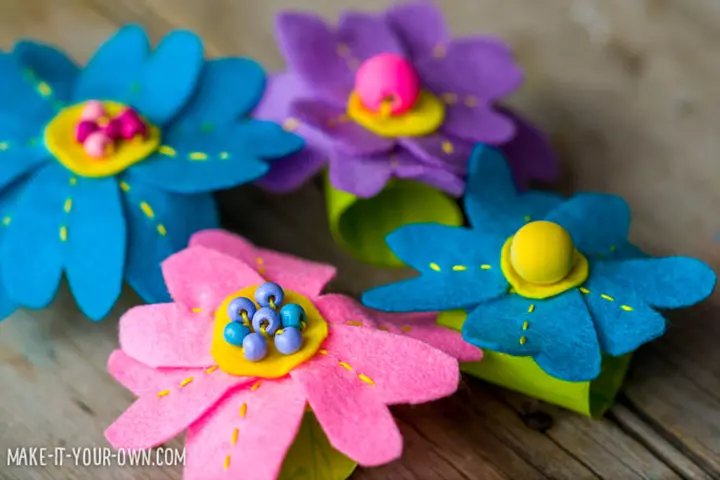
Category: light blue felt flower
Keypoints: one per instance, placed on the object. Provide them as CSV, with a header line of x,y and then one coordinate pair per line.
x,y
115,215
503,272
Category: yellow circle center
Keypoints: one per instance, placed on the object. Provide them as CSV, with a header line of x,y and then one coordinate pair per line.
x,y
60,140
542,253
231,359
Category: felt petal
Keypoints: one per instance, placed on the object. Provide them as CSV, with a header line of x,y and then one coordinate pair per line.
x,y
22,106
557,332
672,282
438,177
302,276
167,335
160,223
200,277
32,279
420,26
346,135
44,63
362,176
343,310
227,444
399,369
459,268
596,221
529,152
350,412
422,326
310,49
492,202
154,419
622,319
290,173
228,89
20,155
142,379
366,35
94,251
157,83
479,123
440,150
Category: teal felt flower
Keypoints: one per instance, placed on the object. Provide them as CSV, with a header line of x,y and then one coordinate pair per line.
x,y
541,276
109,169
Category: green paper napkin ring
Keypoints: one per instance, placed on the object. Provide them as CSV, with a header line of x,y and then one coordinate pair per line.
x,y
360,225
312,458
523,375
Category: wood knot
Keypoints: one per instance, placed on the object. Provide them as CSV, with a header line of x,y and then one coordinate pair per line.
x,y
538,421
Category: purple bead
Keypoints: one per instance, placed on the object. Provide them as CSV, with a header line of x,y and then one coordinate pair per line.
x,y
254,347
84,129
239,305
114,129
266,318
268,291
235,333
293,315
288,340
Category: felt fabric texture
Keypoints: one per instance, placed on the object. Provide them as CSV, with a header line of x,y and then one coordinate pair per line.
x,y
611,312
360,369
471,75
120,227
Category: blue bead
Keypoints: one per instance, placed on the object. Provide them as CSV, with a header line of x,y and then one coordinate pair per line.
x,y
235,333
238,305
288,340
254,347
268,291
266,318
293,315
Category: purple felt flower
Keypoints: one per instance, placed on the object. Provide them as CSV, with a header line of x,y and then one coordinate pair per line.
x,y
467,77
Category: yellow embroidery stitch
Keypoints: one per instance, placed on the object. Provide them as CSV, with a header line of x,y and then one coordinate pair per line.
x,y
354,323
459,268
167,150
255,386
6,221
235,436
63,233
531,308
607,297
485,266
211,369
435,267
345,365
163,393
161,229
68,205
366,379
584,290
147,209
626,308
447,147
186,381
198,156
243,409
124,187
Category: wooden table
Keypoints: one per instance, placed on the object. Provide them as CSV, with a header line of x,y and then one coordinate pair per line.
x,y
630,90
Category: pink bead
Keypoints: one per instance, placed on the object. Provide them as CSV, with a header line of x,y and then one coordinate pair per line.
x,y
114,129
132,124
97,145
93,111
84,129
387,77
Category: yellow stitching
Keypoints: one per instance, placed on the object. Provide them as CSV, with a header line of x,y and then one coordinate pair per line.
x,y
485,266
259,261
235,436
584,290
406,328
607,297
196,310
511,290
73,181
290,124
343,50
526,325
449,98
44,89
3,145
255,385
439,51
626,308
224,155
459,268
447,147
354,323
163,393
384,328
227,462
167,150
612,248
147,209
322,351
63,233
161,229
68,205
7,220
366,379
523,340
198,156
211,369
186,381
124,187
261,270
527,218
531,308
243,409
271,301
435,267
345,365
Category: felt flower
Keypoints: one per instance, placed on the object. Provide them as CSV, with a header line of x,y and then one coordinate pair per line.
x,y
394,95
242,415
109,169
542,277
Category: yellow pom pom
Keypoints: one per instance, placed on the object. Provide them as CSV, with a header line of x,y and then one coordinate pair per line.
x,y
542,253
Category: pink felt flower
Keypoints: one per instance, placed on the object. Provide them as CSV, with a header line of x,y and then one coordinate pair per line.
x,y
241,426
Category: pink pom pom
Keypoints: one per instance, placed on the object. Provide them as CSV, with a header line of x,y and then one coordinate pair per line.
x,y
84,129
132,124
97,144
93,111
387,83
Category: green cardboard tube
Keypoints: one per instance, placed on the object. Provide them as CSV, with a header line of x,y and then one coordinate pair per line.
x,y
523,375
360,225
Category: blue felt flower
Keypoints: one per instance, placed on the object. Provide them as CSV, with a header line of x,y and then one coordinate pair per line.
x,y
542,276
109,169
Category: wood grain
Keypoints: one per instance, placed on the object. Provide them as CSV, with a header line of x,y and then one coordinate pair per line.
x,y
630,91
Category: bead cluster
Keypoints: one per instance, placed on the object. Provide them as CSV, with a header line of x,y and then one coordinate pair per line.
x,y
251,324
98,133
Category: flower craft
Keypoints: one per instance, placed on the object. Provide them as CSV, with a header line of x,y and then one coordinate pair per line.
x,y
249,342
394,96
109,169
543,277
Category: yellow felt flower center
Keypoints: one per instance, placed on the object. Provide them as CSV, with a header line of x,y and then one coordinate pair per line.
x,y
61,139
231,358
540,261
424,117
